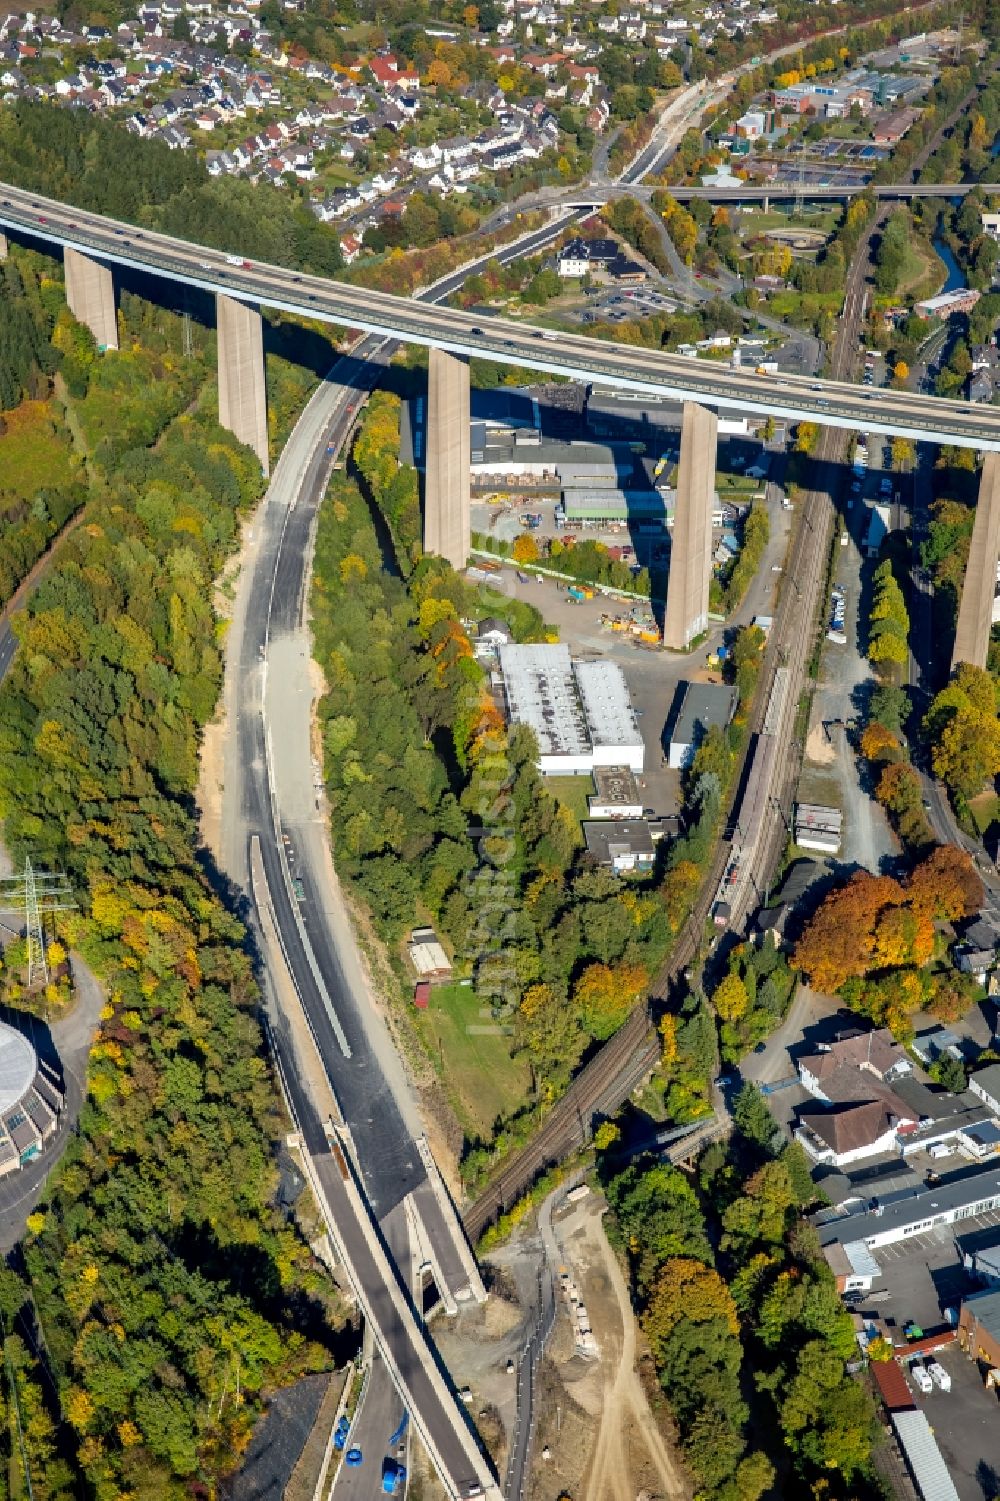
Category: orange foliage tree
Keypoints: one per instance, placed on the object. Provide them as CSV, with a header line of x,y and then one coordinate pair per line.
x,y
605,994
874,923
686,1289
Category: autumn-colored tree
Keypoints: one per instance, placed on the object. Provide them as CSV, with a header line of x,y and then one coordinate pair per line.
x,y
730,998
607,1135
438,73
879,743
604,995
838,941
966,751
525,549
806,434
680,887
903,452
900,372
946,885
686,1289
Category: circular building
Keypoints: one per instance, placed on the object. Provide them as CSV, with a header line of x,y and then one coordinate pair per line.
x,y
31,1099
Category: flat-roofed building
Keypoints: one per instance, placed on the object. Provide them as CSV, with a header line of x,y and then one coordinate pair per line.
x,y
596,507
938,1204
818,827
705,706
617,794
611,721
581,712
540,691
625,845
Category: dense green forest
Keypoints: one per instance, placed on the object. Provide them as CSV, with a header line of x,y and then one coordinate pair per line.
x,y
94,163
743,1318
41,482
169,1288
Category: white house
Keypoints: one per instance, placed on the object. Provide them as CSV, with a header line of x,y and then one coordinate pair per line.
x,y
986,1084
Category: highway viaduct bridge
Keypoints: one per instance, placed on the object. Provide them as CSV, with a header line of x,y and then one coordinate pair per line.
x,y
93,246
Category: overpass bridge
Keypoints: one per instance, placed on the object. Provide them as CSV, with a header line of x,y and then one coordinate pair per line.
x,y
95,246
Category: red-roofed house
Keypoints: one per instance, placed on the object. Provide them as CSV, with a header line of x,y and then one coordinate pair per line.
x,y
387,72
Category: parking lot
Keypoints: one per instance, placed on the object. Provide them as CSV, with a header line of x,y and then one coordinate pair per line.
x,y
966,1424
924,1276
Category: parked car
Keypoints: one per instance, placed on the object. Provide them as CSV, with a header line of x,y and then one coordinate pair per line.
x,y
340,1433
393,1477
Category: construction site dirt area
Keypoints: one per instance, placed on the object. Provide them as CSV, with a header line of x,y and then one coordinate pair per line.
x,y
597,1438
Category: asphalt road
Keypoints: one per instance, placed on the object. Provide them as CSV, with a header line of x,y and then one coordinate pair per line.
x,y
269,777
831,404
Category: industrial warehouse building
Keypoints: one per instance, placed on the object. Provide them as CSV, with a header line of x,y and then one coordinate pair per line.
x,y
705,706
938,1204
581,712
30,1101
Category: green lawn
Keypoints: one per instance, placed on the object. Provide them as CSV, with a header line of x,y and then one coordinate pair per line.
x,y
803,305
741,484
572,792
482,1080
985,810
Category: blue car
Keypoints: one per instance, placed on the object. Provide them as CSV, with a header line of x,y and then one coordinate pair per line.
x,y
353,1457
393,1478
341,1431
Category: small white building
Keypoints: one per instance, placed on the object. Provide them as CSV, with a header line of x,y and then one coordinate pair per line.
x,y
617,794
986,1084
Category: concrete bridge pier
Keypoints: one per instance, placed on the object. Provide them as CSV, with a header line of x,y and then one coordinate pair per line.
x,y
975,612
90,293
242,390
691,541
447,511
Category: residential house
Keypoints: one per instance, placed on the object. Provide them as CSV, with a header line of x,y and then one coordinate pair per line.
x,y
626,845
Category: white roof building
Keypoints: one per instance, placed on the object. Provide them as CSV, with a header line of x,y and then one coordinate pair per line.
x,y
31,1099
580,712
610,717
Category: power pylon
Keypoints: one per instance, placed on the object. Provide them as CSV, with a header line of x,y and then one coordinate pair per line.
x,y
36,893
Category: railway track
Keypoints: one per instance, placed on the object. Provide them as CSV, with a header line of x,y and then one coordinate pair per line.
x,y
606,1082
